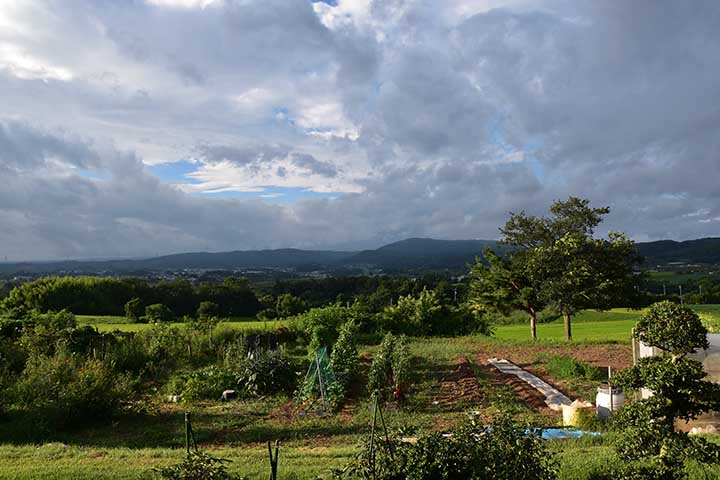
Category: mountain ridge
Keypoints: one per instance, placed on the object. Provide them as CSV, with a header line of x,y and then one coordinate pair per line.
x,y
410,253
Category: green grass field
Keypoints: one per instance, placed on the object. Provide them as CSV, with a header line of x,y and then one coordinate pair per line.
x,y
103,325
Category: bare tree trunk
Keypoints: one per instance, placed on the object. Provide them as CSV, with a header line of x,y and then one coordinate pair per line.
x,y
533,323
568,328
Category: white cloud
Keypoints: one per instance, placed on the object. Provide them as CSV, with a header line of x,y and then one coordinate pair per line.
x,y
425,118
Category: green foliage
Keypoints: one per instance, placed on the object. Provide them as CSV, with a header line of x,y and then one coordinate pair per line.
x,y
380,374
159,313
344,356
205,384
266,372
134,309
390,368
556,261
63,391
400,367
502,451
321,325
563,366
196,466
207,310
672,328
288,305
109,296
649,440
413,316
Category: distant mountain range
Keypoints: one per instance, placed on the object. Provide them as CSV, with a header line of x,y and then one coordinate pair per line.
x,y
406,255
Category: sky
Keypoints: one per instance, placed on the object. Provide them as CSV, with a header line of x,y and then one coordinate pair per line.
x,y
144,127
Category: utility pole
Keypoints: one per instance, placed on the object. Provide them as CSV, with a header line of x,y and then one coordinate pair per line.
x,y
664,290
681,295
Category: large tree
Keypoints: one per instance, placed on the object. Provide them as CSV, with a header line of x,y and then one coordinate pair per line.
x,y
562,265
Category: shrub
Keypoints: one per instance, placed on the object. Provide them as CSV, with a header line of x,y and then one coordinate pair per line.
x,y
474,452
381,367
264,372
127,354
400,367
63,391
680,391
159,313
207,383
322,323
344,356
134,309
208,310
196,466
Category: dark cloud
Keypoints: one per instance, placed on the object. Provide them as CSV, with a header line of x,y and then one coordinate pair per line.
x,y
435,119
313,165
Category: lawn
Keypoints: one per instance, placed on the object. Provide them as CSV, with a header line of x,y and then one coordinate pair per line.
x,y
105,324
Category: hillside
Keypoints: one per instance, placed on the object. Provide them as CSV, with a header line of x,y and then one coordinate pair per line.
x,y
412,254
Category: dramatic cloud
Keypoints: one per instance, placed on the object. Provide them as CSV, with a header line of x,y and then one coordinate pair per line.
x,y
135,128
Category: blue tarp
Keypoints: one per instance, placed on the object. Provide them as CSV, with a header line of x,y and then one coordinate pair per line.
x,y
559,433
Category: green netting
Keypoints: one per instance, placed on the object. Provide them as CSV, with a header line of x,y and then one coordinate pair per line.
x,y
317,379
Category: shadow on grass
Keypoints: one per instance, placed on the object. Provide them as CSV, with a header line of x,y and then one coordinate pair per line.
x,y
167,430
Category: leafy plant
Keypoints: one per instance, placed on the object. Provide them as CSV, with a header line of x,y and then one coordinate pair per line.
x,y
344,356
563,366
207,383
400,367
380,374
650,443
503,450
264,372
159,313
196,466
62,391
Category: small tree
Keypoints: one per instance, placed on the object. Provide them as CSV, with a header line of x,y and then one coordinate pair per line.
x,y
134,309
159,313
504,285
650,445
288,305
208,310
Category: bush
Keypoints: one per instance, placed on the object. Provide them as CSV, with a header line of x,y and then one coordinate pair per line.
x,y
321,324
265,372
680,391
196,466
344,356
159,313
400,367
204,384
134,309
502,451
64,391
208,310
380,374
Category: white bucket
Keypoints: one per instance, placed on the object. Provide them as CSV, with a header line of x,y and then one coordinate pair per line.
x,y
605,403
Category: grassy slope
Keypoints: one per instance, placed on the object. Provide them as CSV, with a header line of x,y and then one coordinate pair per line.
x,y
130,447
105,326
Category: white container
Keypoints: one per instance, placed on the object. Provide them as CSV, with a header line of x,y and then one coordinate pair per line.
x,y
605,403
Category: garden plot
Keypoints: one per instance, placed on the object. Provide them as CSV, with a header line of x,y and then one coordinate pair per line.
x,y
554,399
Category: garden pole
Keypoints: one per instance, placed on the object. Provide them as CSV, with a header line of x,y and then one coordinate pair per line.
x,y
273,462
387,437
187,433
319,373
372,436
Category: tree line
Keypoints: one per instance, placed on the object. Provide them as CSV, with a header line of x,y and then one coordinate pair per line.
x,y
109,296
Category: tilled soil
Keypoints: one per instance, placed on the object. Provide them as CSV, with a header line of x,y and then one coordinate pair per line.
x,y
460,386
